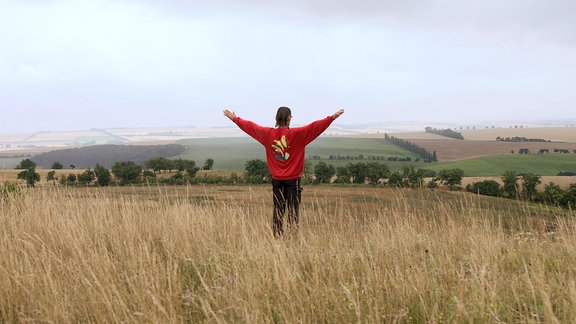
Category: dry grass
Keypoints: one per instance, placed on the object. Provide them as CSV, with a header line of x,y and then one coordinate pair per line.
x,y
206,254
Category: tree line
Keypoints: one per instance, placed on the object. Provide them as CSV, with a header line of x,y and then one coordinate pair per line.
x,y
519,139
444,132
181,171
420,151
524,187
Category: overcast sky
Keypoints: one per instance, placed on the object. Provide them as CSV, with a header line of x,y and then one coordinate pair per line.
x,y
81,64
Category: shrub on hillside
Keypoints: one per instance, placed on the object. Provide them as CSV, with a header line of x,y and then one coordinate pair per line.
x,y
486,187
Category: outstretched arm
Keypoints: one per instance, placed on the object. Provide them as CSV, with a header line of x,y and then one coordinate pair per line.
x,y
338,113
229,114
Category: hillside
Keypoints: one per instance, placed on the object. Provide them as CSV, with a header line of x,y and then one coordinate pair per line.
x,y
105,155
479,153
482,142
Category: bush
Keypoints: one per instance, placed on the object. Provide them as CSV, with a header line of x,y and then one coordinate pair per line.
x,y
127,171
486,187
9,190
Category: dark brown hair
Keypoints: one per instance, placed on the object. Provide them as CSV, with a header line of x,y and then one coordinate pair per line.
x,y
282,116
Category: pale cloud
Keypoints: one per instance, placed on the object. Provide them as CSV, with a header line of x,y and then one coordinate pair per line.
x,y
171,63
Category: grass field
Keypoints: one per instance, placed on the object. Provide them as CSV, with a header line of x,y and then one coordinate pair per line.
x,y
539,164
489,159
207,254
232,153
478,155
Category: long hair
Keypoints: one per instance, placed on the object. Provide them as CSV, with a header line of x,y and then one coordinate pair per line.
x,y
282,116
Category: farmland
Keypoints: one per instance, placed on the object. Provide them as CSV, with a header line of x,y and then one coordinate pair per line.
x,y
207,254
479,154
475,157
232,153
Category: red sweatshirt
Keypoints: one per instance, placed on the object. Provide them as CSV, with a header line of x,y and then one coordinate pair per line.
x,y
285,147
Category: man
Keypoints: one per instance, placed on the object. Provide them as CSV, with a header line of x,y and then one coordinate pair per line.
x,y
285,148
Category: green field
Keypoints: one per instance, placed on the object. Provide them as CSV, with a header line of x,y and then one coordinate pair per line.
x,y
232,154
539,164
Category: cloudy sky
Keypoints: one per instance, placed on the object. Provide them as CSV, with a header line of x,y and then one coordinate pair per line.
x,y
80,64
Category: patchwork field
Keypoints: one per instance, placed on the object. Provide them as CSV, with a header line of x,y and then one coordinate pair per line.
x,y
448,150
479,154
482,142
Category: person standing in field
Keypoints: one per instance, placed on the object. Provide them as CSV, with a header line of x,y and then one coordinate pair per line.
x,y
285,149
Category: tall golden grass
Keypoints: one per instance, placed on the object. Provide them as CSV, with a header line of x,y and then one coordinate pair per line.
x,y
207,254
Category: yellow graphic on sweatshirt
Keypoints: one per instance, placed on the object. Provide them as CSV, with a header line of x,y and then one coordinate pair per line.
x,y
280,147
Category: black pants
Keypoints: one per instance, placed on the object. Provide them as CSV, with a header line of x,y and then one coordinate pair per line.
x,y
287,195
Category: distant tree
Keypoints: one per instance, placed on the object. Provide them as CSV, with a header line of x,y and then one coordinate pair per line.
x,y
411,177
529,184
191,168
30,175
158,164
444,132
568,199
451,178
86,177
180,164
324,172
358,172
72,166
71,179
487,187
376,171
342,175
396,180
127,171
57,166
26,164
552,194
208,164
147,174
426,173
51,176
510,187
103,176
257,171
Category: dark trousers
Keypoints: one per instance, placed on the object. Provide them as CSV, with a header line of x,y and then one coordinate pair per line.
x,y
287,196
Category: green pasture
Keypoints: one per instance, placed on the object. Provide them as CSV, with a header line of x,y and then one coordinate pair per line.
x,y
539,164
233,153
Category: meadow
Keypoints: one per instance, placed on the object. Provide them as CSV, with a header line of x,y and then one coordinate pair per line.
x,y
475,157
539,164
207,254
232,153
478,155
